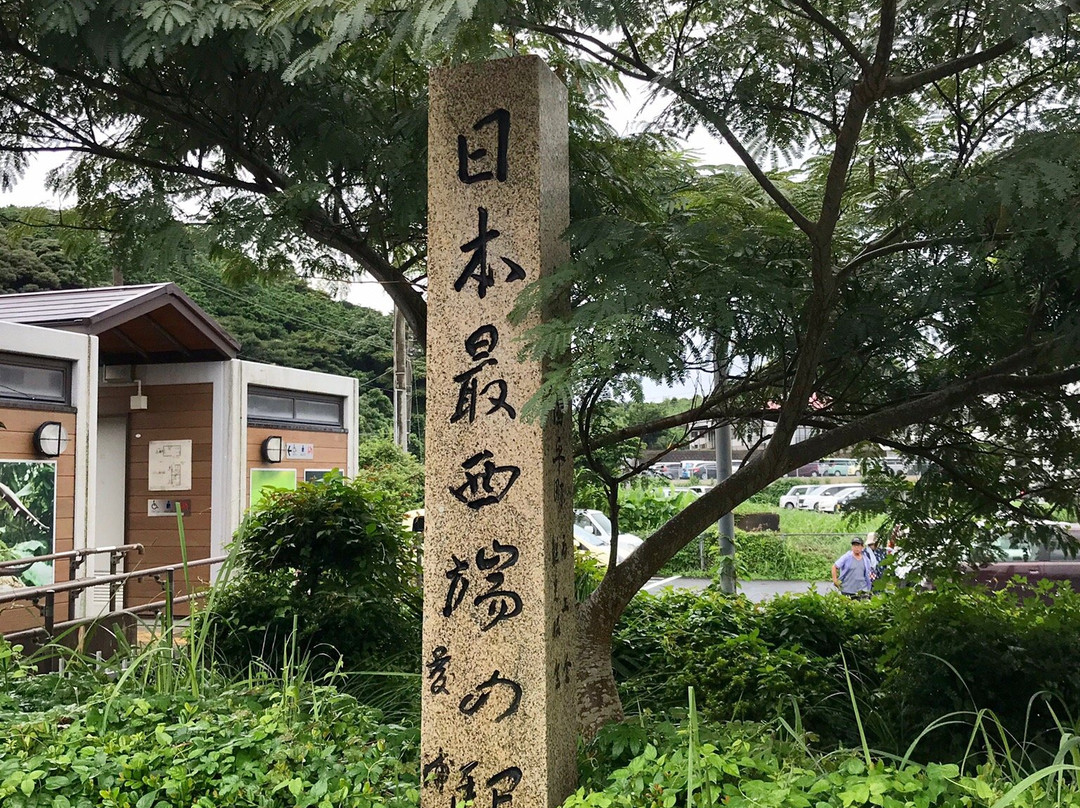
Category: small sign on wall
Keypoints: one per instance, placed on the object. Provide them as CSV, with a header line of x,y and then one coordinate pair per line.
x,y
170,465
168,507
300,451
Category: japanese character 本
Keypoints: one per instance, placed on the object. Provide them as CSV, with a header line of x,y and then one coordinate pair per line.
x,y
488,485
501,118
478,269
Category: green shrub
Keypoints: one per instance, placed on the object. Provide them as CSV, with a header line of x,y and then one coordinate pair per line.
x,y
743,662
765,555
966,649
643,510
911,657
382,464
328,569
251,745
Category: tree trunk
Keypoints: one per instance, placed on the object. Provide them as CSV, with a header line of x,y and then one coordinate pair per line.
x,y
598,701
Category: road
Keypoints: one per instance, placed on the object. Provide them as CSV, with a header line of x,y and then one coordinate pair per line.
x,y
756,591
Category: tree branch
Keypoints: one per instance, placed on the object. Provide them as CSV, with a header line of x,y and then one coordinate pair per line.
x,y
834,31
901,85
622,583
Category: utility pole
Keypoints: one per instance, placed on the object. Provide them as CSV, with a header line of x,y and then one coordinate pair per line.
x,y
726,525
402,381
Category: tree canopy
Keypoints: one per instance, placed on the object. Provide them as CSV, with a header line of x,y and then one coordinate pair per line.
x,y
895,259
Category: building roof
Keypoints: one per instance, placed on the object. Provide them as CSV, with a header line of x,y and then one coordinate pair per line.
x,y
146,323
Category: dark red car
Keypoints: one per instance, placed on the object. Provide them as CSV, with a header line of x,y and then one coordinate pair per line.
x,y
1034,563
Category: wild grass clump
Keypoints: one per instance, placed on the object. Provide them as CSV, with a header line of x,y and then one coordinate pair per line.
x,y
653,762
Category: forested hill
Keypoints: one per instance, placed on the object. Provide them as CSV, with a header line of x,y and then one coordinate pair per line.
x,y
284,322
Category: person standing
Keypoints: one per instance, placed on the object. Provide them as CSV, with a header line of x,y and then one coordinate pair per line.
x,y
874,555
851,572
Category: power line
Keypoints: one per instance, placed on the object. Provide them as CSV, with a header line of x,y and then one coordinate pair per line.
x,y
277,313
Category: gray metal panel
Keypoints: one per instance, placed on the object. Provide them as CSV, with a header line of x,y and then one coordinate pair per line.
x,y
95,311
70,306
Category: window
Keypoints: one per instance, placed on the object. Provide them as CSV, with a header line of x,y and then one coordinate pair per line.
x,y
288,407
29,378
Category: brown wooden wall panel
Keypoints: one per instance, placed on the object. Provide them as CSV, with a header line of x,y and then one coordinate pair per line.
x,y
16,443
331,450
174,412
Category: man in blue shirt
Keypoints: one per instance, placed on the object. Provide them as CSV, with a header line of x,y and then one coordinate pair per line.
x,y
851,572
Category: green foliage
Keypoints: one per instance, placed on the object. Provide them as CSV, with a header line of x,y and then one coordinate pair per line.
x,y
965,649
326,567
767,555
658,765
743,664
918,662
331,533
237,746
397,474
643,510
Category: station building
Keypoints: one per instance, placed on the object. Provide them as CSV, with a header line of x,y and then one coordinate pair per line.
x,y
122,405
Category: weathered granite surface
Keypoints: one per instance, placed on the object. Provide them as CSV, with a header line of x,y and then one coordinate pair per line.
x,y
498,720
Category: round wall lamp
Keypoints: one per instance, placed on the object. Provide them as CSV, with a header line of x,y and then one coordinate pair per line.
x,y
273,449
51,439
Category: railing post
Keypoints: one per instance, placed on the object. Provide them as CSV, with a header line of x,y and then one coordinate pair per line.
x,y
49,612
114,586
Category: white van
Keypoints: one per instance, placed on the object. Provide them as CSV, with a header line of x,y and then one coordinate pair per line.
x,y
812,500
792,497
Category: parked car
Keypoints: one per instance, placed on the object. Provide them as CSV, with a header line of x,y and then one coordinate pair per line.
x,y
794,494
668,468
811,499
807,470
1033,561
843,467
596,525
833,503
702,469
706,469
590,544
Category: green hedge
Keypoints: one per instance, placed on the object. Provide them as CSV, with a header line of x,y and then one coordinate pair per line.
x,y
327,570
912,657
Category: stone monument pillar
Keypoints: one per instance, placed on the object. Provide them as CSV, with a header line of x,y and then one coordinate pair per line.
x,y
499,727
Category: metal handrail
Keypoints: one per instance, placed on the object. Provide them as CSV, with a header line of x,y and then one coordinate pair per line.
x,y
156,606
37,594
77,556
